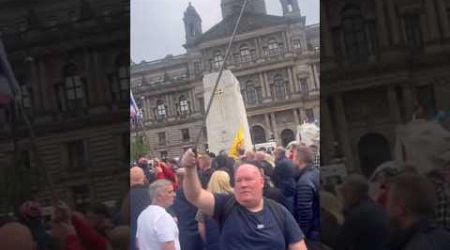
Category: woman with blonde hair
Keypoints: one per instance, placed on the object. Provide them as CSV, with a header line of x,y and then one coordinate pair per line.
x,y
209,229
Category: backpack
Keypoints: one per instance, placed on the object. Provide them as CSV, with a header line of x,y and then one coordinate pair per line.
x,y
275,208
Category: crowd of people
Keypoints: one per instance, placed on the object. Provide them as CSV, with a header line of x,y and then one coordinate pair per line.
x,y
97,228
276,200
260,200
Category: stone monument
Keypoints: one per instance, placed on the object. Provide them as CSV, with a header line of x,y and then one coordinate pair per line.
x,y
227,113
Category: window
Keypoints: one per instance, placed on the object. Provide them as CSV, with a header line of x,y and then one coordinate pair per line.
x,y
162,138
218,59
297,44
355,39
309,115
413,31
252,97
76,155
279,87
304,85
183,106
81,197
161,110
71,93
258,134
273,45
163,155
196,67
185,134
25,159
201,102
26,96
120,84
245,54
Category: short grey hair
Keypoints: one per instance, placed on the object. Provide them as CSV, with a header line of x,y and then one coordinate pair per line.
x,y
305,154
156,186
358,185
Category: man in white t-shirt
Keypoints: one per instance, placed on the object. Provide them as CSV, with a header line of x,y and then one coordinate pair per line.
x,y
156,229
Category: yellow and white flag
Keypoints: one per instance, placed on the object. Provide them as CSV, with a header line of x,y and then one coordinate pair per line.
x,y
238,143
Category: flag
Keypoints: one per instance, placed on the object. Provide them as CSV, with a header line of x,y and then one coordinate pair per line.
x,y
238,143
134,109
7,79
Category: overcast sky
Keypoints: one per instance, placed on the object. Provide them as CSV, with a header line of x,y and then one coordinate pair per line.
x,y
157,27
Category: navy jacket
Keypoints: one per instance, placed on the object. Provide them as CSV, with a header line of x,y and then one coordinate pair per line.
x,y
139,200
424,234
307,207
187,225
365,227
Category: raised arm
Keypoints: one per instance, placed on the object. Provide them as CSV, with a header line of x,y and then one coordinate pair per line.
x,y
192,188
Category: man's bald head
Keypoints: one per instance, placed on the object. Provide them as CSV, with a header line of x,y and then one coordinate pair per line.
x,y
15,236
137,176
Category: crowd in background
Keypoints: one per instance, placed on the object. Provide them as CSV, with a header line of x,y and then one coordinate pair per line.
x,y
404,210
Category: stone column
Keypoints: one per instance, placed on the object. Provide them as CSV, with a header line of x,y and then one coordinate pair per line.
x,y
444,20
394,23
381,23
326,31
315,76
393,105
90,79
257,48
268,125
37,87
344,140
291,81
287,46
296,118
408,101
103,88
326,127
47,89
274,126
432,21
269,94
263,85
171,109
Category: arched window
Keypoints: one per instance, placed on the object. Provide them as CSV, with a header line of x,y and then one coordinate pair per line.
x,y
273,48
258,134
373,150
245,54
218,59
183,107
355,39
161,110
287,136
297,44
279,87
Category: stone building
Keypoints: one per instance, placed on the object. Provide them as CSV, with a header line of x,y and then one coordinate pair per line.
x,y
71,59
382,58
275,58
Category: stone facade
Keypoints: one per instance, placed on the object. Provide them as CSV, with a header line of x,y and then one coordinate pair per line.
x,y
275,59
381,59
71,59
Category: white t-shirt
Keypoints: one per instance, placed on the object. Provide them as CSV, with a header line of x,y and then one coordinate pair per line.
x,y
154,227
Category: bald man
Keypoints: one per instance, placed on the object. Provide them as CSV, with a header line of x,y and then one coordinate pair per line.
x,y
137,176
15,236
139,200
248,221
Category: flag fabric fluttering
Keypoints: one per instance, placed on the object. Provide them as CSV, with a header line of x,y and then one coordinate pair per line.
x,y
238,143
135,113
7,79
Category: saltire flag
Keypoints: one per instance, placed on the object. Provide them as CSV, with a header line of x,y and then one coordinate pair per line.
x,y
135,114
7,79
238,144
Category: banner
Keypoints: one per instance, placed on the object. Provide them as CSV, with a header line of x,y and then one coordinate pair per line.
x,y
238,143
